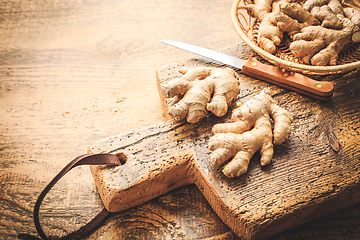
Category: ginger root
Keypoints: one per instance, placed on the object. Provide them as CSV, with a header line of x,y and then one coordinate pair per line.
x,y
288,24
353,14
265,11
250,130
293,17
328,18
200,90
319,29
273,23
297,12
321,46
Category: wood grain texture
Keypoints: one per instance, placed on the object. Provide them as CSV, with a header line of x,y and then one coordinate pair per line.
x,y
73,72
310,175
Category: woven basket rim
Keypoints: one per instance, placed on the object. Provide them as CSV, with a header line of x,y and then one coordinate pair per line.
x,y
284,63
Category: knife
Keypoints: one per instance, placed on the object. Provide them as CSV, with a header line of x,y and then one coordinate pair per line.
x,y
321,90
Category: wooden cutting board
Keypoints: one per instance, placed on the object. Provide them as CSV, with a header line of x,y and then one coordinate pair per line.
x,y
308,177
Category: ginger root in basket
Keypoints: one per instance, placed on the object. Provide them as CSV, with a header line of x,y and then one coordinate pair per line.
x,y
200,90
297,12
321,46
273,24
314,44
269,35
327,17
250,130
353,14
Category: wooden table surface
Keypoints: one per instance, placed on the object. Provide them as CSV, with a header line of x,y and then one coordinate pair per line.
x,y
74,72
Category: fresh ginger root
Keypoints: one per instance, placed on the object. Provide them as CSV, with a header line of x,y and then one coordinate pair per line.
x,y
273,23
265,11
319,29
200,90
320,46
250,130
293,17
288,24
297,12
328,18
353,14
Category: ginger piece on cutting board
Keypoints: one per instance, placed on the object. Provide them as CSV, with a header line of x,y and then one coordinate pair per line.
x,y
249,131
202,89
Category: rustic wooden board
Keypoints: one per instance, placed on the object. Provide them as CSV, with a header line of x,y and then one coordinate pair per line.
x,y
306,180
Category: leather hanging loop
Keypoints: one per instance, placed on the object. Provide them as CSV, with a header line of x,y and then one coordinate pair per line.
x,y
86,159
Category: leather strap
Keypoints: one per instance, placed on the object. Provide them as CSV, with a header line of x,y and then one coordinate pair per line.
x,y
86,159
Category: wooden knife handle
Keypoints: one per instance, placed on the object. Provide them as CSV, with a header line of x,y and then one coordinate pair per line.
x,y
299,83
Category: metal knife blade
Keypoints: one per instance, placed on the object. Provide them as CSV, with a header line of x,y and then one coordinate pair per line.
x,y
299,83
219,57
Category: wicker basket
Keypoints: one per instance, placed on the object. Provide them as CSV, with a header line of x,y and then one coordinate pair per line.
x,y
246,27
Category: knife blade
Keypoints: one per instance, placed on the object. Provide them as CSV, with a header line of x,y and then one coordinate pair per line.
x,y
296,82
